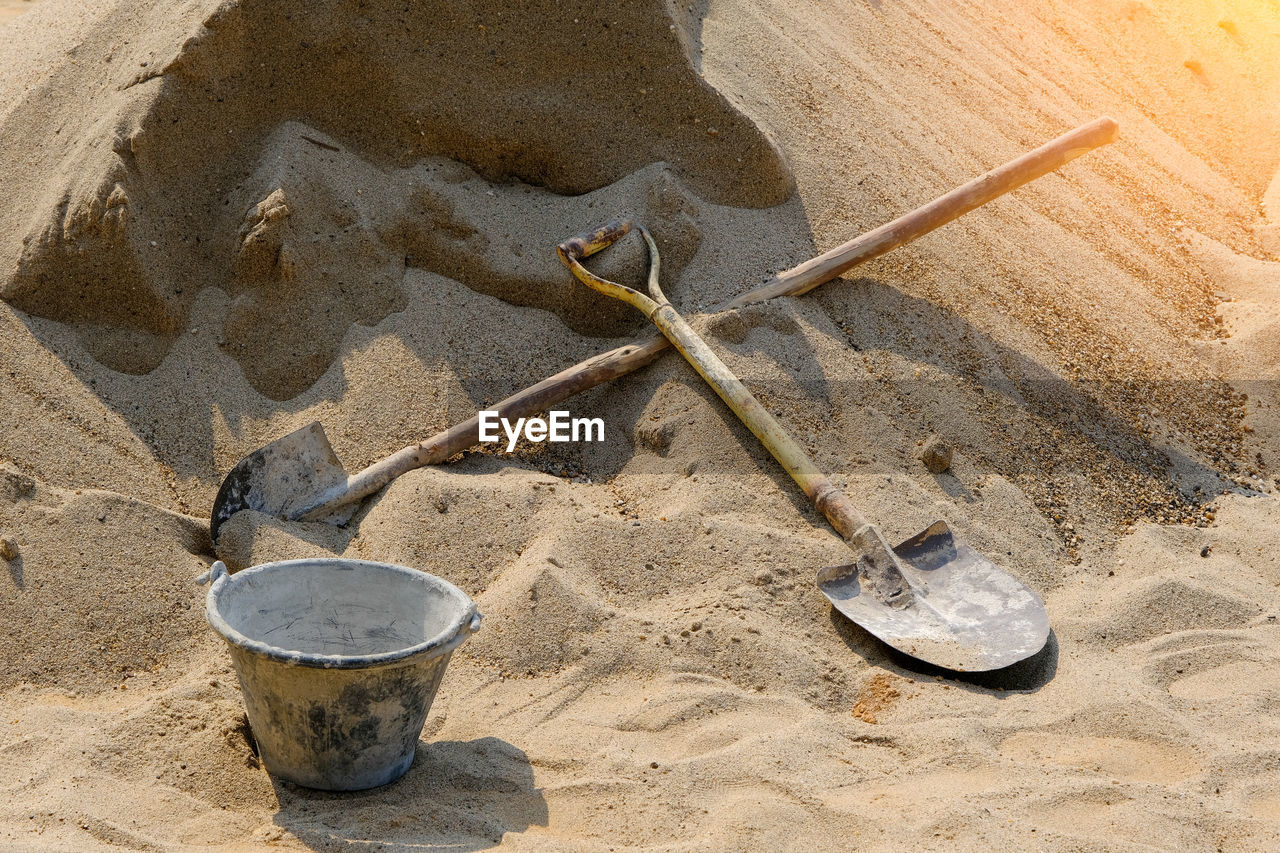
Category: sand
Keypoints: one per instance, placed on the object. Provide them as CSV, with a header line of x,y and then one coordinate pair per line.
x,y
224,220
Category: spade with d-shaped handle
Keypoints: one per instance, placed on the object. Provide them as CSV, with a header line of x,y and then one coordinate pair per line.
x,y
933,597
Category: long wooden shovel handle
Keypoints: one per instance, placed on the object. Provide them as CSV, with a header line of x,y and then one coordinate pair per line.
x,y
833,503
1034,164
801,279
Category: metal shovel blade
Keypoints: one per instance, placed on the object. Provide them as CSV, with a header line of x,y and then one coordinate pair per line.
x,y
279,478
966,613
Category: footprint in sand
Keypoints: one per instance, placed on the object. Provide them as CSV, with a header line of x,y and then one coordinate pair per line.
x,y
1118,758
1176,658
1241,682
1102,818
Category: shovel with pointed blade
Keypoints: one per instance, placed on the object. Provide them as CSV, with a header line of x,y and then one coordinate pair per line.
x,y
283,478
932,597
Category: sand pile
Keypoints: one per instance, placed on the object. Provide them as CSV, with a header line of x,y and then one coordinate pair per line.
x,y
305,119
225,220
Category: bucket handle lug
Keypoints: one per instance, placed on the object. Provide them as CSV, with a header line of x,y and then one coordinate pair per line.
x,y
216,571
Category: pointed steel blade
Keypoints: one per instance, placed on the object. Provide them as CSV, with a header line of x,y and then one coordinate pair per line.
x,y
283,476
965,614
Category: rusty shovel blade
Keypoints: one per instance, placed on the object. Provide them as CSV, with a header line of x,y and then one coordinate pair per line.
x,y
965,612
281,478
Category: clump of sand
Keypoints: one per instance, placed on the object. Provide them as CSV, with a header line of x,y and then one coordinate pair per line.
x,y
228,219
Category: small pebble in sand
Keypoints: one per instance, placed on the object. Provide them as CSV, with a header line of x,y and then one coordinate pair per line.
x,y
936,454
9,549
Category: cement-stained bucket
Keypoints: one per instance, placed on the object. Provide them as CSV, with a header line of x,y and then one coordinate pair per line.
x,y
338,662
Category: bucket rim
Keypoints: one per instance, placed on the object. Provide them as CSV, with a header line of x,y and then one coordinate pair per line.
x,y
465,623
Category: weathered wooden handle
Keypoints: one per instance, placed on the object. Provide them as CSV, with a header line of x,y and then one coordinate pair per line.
x,y
801,279
829,500
587,244
572,251
826,497
1021,170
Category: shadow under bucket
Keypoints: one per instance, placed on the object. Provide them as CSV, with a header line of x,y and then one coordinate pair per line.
x,y
339,661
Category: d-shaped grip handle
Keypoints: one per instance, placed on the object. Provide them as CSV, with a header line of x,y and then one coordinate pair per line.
x,y
587,244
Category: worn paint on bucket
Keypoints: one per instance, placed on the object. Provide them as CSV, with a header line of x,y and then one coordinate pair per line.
x,y
339,661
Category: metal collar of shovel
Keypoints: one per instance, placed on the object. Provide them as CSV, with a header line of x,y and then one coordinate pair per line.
x,y
932,597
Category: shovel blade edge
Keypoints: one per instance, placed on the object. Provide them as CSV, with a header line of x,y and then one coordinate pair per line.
x,y
967,613
279,477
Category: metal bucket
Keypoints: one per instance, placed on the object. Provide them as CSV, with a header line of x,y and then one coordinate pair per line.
x,y
338,662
